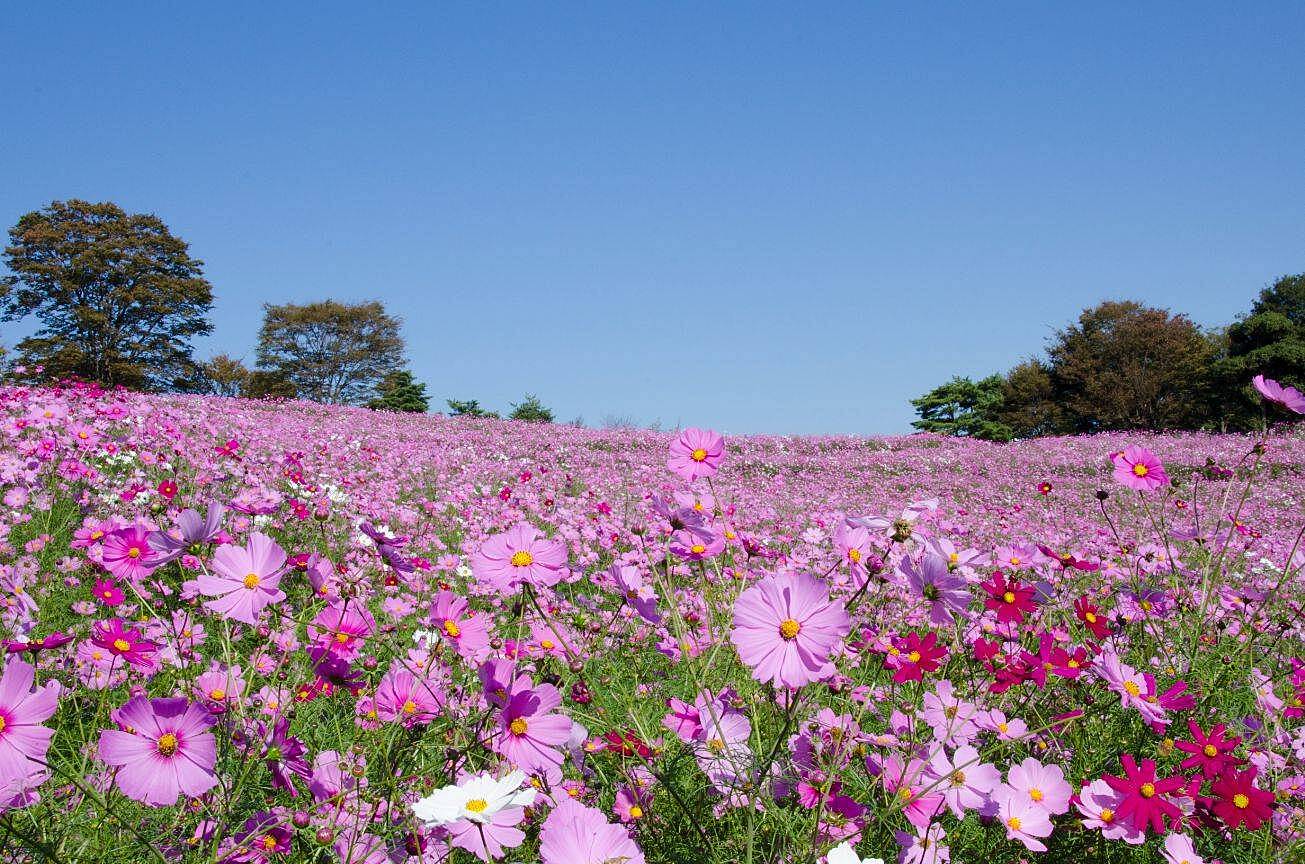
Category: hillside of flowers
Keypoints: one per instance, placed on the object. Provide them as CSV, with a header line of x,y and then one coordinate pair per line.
x,y
243,631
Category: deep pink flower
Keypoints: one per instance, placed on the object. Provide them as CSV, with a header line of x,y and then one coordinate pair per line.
x,y
407,698
576,834
1239,801
786,628
1210,752
912,656
1138,468
341,628
1287,397
23,707
127,553
696,453
108,593
1011,600
125,642
245,579
168,751
520,555
1144,803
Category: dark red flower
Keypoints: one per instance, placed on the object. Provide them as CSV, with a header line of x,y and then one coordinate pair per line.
x,y
1238,801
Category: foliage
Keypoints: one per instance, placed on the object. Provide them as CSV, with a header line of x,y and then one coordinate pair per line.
x,y
1268,341
262,384
963,408
332,352
468,408
399,391
531,410
118,296
224,375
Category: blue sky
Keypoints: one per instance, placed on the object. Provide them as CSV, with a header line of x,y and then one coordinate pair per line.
x,y
763,218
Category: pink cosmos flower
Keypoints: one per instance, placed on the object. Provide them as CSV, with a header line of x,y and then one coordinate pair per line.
x,y
453,620
966,782
696,453
169,751
407,698
947,593
1042,785
23,741
244,580
1288,397
1023,819
530,733
1179,848
1138,468
341,628
1099,805
576,834
127,553
786,627
125,642
520,555
908,782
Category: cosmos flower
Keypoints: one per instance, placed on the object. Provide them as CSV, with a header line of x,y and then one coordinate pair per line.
x,y
1043,785
946,593
530,733
163,750
1144,802
245,580
127,554
521,555
576,834
1238,801
696,453
1288,397
476,798
1010,599
786,628
843,853
191,530
23,707
1023,819
1138,468
125,642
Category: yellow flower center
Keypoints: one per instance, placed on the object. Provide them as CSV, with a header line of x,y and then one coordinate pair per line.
x,y
1241,802
1132,688
716,745
1107,815
636,812
341,638
269,842
697,548
477,805
1148,790
251,580
958,778
905,793
1009,596
2,724
1014,823
1210,750
133,552
547,644
1141,470
409,707
1090,617
1146,605
452,629
1003,726
789,629
217,694
522,558
167,744
854,555
914,656
518,726
698,455
122,644
1036,794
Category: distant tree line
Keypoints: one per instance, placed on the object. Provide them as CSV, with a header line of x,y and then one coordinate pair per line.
x,y
1124,365
119,299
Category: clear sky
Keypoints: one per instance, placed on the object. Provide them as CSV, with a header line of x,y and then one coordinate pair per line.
x,y
762,218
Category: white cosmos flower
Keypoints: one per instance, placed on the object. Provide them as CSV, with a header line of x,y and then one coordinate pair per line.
x,y
476,799
843,853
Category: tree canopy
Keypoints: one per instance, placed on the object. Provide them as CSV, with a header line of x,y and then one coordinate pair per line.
x,y
399,391
531,410
119,297
964,408
330,351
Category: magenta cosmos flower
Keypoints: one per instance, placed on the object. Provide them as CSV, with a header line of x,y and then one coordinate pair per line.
x,y
786,627
1287,397
576,834
23,741
245,579
530,732
127,553
520,555
696,453
168,752
1138,468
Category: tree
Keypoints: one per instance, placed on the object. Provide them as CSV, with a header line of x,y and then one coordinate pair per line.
x,y
331,351
118,296
399,391
1268,341
1129,366
964,408
224,376
263,384
1029,403
531,410
469,408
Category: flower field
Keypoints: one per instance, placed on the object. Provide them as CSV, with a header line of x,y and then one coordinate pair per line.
x,y
245,631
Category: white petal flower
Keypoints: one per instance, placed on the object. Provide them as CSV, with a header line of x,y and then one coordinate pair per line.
x,y
476,799
843,853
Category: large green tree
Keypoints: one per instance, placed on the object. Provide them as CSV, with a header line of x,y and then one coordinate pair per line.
x,y
1123,365
1269,341
399,391
531,410
965,408
330,351
119,298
